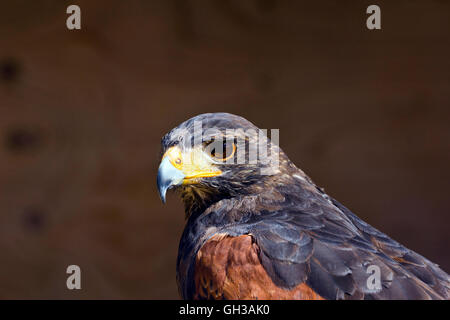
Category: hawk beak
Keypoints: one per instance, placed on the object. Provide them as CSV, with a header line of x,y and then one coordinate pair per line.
x,y
179,168
168,176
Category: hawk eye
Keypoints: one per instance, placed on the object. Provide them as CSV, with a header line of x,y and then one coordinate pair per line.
x,y
220,150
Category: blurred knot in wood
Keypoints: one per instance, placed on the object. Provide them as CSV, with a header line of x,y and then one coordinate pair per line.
x,y
10,70
22,140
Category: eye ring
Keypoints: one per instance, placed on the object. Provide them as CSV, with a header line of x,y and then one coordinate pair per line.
x,y
232,153
212,152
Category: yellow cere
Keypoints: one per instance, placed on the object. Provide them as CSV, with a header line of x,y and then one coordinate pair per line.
x,y
194,163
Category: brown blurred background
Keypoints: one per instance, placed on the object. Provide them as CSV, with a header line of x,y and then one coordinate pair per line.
x,y
364,113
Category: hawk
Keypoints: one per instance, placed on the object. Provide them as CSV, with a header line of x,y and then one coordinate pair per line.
x,y
259,228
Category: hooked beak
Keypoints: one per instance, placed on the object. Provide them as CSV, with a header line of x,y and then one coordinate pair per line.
x,y
168,176
179,168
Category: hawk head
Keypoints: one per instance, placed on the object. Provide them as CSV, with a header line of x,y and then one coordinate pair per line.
x,y
215,156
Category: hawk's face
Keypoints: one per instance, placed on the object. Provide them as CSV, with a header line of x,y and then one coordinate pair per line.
x,y
215,156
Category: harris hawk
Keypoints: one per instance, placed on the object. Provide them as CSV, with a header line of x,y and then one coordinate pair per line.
x,y
259,228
